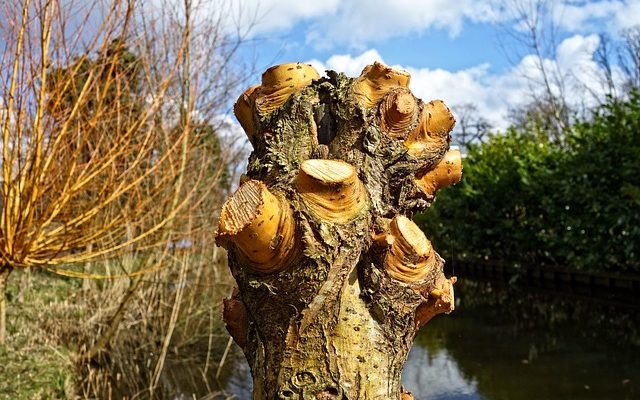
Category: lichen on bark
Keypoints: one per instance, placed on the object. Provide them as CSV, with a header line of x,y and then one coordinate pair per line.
x,y
351,158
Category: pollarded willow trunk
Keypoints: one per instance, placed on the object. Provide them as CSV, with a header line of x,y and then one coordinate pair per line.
x,y
334,279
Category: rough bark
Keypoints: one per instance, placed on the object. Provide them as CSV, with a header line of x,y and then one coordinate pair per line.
x,y
333,313
4,278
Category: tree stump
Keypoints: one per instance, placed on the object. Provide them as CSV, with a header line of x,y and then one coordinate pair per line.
x,y
334,279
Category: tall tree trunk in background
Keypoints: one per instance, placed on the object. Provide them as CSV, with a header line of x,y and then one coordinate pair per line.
x,y
334,279
5,270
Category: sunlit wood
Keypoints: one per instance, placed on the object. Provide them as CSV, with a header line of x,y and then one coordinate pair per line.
x,y
410,255
436,122
281,81
398,112
447,172
331,190
260,224
375,81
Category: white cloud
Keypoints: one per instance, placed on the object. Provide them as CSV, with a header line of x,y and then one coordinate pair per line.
x,y
629,15
454,87
355,23
576,17
351,66
576,48
607,15
268,16
361,23
576,64
496,94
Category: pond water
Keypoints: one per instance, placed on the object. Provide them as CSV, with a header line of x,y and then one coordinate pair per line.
x,y
505,343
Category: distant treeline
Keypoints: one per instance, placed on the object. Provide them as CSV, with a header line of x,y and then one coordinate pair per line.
x,y
525,198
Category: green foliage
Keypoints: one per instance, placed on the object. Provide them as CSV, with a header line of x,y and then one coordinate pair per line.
x,y
118,73
525,199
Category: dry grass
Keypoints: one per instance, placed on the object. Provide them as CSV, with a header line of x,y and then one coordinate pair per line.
x,y
53,320
171,337
34,363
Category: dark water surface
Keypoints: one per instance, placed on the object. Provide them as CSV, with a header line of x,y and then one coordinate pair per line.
x,y
505,343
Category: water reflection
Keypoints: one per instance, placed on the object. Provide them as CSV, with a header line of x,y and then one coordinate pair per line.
x,y
434,374
505,343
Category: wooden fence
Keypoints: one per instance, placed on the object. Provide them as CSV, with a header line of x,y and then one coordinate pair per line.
x,y
597,286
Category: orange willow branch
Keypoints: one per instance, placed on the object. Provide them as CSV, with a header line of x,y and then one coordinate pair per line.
x,y
6,161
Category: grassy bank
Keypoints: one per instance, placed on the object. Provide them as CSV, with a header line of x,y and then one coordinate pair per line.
x,y
170,336
35,363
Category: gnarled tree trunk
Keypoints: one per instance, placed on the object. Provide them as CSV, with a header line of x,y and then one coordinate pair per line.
x,y
334,279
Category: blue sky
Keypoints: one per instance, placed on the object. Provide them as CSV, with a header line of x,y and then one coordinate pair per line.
x,y
460,51
432,48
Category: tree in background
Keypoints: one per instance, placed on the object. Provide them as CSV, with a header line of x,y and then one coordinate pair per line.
x,y
471,127
170,312
526,199
558,93
536,32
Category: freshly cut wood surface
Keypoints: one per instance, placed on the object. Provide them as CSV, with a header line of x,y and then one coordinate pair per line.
x,y
410,256
243,110
436,122
398,112
447,172
331,190
260,224
375,81
280,82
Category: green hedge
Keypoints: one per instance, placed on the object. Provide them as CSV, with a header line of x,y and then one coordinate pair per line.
x,y
524,199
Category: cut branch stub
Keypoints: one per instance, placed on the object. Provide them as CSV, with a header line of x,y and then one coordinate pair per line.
x,y
405,395
234,314
410,256
440,300
436,121
383,239
398,112
375,81
447,172
243,110
261,225
280,82
331,190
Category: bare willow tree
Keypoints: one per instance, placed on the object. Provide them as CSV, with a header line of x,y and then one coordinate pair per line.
x,y
536,31
558,92
167,282
629,57
619,60
471,126
88,170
